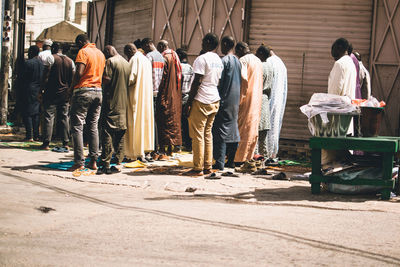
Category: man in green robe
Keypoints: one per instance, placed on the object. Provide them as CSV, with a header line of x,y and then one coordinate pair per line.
x,y
114,108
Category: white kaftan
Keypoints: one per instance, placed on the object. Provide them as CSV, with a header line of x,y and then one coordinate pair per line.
x,y
277,103
139,136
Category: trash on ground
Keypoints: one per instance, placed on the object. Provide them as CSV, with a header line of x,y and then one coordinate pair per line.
x,y
45,209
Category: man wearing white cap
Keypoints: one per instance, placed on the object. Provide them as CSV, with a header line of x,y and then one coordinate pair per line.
x,y
45,56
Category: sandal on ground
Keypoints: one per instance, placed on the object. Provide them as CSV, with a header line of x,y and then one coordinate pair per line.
x,y
280,176
115,169
261,172
230,174
212,176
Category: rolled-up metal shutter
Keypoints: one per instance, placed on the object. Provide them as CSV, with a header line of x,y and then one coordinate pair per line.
x,y
132,20
301,33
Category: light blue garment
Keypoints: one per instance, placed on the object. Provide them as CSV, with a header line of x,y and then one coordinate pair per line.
x,y
277,103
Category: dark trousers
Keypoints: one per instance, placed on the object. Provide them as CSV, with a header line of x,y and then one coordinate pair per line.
x,y
31,123
222,149
50,111
186,140
86,106
112,140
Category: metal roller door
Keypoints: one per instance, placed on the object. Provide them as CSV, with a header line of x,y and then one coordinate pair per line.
x,y
301,33
132,20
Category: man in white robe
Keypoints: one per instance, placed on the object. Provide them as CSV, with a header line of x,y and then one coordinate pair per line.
x,y
139,136
342,81
343,76
277,104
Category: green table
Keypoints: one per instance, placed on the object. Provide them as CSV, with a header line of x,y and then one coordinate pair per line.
x,y
386,145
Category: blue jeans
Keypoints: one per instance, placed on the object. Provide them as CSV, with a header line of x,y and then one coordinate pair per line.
x,y
86,106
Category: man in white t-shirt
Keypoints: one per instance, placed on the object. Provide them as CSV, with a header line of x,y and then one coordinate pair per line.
x,y
203,104
45,56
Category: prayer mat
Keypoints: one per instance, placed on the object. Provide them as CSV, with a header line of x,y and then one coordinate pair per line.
x,y
31,146
65,165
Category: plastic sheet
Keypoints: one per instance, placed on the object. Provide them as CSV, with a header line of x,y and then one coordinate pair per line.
x,y
321,104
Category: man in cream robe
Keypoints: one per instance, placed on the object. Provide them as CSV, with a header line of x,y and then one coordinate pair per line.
x,y
140,114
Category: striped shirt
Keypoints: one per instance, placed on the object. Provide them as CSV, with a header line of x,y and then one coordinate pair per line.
x,y
157,62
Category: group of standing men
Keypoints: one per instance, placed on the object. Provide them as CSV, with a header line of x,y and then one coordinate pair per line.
x,y
153,99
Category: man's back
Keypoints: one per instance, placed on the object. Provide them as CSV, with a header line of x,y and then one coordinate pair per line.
x,y
94,62
342,79
60,78
157,62
115,94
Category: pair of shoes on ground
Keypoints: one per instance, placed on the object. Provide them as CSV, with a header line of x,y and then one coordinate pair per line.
x,y
214,176
106,170
64,149
271,162
247,167
157,156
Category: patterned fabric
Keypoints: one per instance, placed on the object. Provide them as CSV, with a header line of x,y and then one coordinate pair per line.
x,y
268,75
187,77
277,103
157,63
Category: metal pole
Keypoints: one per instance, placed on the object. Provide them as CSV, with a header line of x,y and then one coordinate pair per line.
x,y
4,74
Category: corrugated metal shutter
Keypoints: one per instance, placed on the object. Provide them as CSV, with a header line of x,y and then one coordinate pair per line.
x,y
301,33
132,20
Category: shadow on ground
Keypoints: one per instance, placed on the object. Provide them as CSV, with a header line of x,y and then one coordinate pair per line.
x,y
293,193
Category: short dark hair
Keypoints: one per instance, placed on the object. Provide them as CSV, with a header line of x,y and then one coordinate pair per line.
x,y
181,54
34,50
241,46
55,47
138,43
146,41
263,50
228,42
341,45
350,49
211,41
82,37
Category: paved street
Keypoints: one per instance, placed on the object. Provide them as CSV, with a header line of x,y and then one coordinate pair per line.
x,y
149,220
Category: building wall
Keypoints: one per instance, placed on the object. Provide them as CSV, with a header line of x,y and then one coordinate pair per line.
x,y
41,14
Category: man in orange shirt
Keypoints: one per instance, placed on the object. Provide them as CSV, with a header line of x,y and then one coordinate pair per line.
x,y
86,100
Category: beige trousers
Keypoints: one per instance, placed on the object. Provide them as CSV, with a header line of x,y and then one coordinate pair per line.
x,y
201,120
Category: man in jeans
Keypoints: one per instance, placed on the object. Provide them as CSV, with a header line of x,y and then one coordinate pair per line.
x,y
203,104
86,100
57,80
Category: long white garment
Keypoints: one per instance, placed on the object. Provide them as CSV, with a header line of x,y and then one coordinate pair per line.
x,y
139,137
277,103
343,77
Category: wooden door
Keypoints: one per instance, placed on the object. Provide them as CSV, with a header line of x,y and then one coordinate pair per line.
x,y
97,22
385,62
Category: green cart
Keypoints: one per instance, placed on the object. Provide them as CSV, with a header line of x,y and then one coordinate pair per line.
x,y
386,145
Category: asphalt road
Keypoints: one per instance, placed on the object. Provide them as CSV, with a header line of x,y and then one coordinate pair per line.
x,y
108,225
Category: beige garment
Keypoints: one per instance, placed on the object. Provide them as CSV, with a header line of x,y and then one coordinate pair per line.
x,y
250,106
201,120
343,78
139,136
